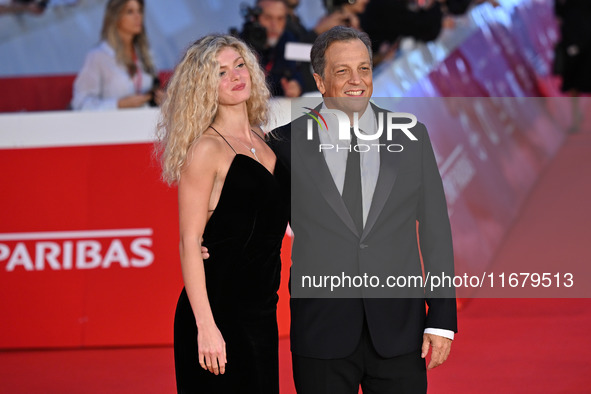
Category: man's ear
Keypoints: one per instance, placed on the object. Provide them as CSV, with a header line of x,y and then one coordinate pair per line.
x,y
319,83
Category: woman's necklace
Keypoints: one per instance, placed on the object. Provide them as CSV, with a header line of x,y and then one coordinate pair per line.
x,y
251,149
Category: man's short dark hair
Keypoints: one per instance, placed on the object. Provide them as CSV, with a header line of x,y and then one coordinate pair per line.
x,y
337,33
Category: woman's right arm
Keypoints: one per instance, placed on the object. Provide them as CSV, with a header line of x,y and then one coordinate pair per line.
x,y
194,193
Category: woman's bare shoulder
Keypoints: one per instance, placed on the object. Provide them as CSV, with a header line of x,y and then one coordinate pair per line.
x,y
207,144
209,152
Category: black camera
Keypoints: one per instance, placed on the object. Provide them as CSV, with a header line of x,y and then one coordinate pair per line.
x,y
253,33
333,5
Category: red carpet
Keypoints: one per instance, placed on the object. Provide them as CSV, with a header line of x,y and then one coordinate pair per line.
x,y
533,345
504,345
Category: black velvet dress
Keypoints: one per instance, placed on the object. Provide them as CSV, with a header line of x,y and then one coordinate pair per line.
x,y
244,236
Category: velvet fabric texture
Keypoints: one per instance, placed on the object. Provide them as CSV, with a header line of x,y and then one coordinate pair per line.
x,y
244,236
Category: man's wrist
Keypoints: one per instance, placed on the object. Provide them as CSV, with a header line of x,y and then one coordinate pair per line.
x,y
449,334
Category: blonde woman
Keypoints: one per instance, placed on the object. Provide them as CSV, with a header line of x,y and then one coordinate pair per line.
x,y
233,198
119,72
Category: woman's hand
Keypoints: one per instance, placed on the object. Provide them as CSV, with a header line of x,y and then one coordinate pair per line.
x,y
133,101
212,349
159,96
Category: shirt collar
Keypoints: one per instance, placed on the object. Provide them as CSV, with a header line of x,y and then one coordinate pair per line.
x,y
367,122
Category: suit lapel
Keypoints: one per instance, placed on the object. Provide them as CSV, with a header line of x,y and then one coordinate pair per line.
x,y
316,168
387,176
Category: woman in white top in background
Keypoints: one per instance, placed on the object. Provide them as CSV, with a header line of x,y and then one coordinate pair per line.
x,y
119,72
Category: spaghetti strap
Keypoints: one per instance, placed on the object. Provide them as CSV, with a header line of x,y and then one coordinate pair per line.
x,y
224,138
257,134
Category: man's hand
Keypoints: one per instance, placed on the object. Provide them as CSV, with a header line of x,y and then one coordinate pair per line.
x,y
441,348
204,253
336,18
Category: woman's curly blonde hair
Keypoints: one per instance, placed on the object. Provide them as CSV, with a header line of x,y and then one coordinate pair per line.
x,y
191,104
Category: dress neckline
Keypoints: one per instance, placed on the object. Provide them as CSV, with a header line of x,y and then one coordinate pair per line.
x,y
256,162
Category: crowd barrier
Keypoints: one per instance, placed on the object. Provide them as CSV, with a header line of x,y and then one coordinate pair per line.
x,y
89,234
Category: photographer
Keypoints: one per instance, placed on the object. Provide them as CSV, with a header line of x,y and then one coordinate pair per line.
x,y
336,16
339,13
265,32
350,9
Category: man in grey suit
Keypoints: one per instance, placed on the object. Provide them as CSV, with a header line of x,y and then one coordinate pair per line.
x,y
354,212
